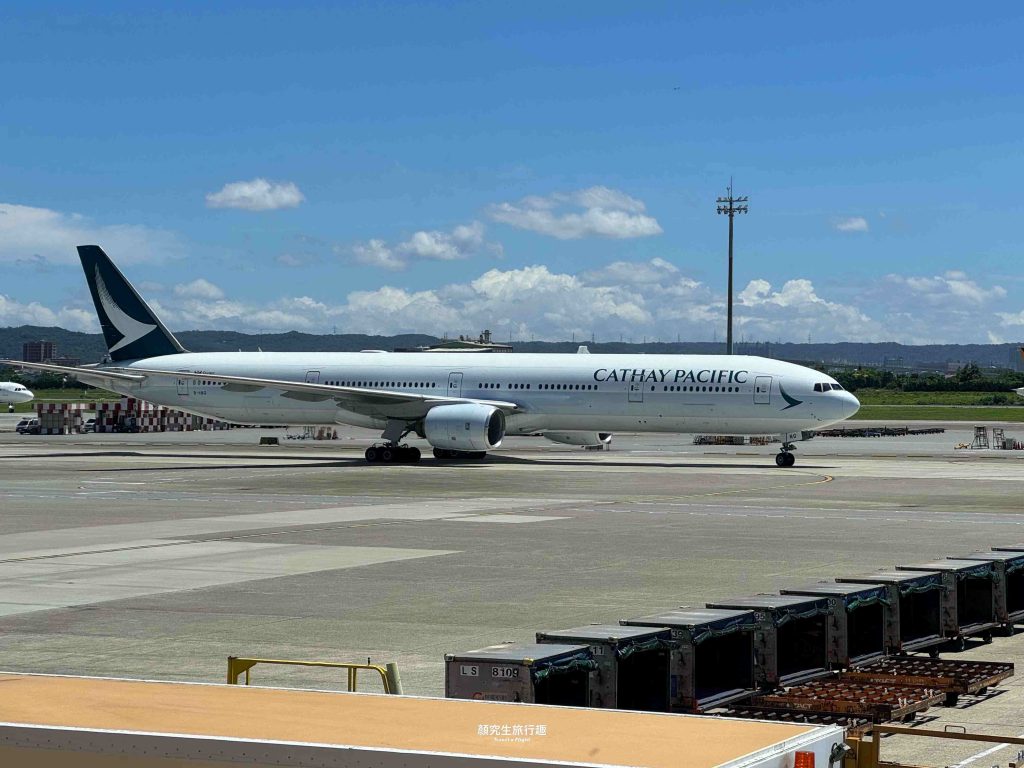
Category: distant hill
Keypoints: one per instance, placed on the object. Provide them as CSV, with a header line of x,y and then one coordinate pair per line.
x,y
89,347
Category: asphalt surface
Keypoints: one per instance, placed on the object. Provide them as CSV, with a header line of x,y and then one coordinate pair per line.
x,y
157,556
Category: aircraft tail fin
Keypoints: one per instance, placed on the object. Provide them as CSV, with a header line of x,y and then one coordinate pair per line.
x,y
131,329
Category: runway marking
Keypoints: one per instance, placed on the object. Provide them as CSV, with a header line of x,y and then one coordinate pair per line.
x,y
65,541
984,753
114,482
822,479
86,579
500,518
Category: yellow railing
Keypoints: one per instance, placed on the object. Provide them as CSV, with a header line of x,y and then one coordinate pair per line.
x,y
865,752
389,678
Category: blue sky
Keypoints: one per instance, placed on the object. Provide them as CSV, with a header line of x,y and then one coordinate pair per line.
x,y
535,168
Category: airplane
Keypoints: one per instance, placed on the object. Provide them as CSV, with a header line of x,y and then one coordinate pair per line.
x,y
462,404
12,392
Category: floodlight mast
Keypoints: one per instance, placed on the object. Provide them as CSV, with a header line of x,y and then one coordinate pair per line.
x,y
730,205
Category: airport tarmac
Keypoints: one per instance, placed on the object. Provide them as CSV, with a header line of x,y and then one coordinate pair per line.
x,y
157,556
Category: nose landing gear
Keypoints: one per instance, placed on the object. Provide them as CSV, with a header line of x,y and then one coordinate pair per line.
x,y
785,457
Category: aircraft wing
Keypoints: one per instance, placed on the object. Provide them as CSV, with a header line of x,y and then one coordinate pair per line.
x,y
96,377
379,403
373,402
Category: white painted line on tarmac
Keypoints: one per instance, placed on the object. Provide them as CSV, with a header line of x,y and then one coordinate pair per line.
x,y
114,482
984,754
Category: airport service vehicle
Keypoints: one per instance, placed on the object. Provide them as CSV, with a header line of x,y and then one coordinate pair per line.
x,y
12,392
462,404
27,427
89,426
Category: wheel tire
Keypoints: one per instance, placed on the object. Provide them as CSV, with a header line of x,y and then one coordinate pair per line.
x,y
780,459
414,455
986,638
387,455
372,455
790,459
933,653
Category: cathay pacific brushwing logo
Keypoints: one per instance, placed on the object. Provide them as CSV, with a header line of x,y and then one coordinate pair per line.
x,y
131,330
792,401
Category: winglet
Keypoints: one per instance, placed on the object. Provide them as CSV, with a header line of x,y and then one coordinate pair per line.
x,y
131,329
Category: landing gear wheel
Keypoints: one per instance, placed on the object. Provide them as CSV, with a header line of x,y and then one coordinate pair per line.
x,y
785,459
388,455
413,455
372,454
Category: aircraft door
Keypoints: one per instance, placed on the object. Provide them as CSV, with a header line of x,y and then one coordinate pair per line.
x,y
454,384
763,390
183,384
312,377
636,391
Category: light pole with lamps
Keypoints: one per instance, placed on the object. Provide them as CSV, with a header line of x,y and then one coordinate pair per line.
x,y
731,206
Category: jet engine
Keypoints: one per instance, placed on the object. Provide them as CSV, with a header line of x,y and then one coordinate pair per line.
x,y
466,427
586,439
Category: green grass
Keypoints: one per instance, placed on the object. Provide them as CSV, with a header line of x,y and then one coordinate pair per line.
x,y
893,397
978,415
68,395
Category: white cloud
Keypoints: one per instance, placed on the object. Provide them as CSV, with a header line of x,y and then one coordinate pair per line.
x,y
199,289
291,259
796,310
462,242
653,271
256,195
627,299
1012,318
376,253
14,313
951,288
42,235
605,213
852,224
443,246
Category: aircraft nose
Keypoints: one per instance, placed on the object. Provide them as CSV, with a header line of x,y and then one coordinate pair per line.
x,y
850,404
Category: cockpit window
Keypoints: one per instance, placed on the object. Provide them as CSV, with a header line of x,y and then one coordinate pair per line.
x,y
837,386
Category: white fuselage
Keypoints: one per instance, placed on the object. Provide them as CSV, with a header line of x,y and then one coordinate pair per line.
x,y
609,393
14,393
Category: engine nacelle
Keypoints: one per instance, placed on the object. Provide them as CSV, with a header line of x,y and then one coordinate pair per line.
x,y
464,427
586,439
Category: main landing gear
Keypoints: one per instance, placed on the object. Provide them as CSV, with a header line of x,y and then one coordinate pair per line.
x,y
392,453
785,457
